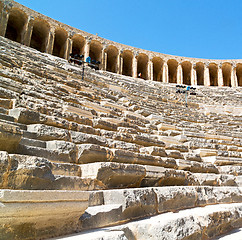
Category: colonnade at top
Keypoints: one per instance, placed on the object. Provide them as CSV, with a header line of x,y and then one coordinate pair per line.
x,y
34,30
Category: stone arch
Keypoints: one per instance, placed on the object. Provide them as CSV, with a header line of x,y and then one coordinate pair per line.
x,y
78,44
60,42
172,70
239,74
200,73
112,56
226,70
40,35
186,72
16,25
127,63
142,66
213,74
95,50
157,69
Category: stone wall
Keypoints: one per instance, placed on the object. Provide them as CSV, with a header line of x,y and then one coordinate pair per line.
x,y
28,27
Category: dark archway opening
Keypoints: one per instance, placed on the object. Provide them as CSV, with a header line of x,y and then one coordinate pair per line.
x,y
15,27
157,69
172,70
127,63
112,56
213,74
186,72
142,66
60,43
40,35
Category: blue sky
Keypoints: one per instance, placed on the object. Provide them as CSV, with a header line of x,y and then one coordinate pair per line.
x,y
210,29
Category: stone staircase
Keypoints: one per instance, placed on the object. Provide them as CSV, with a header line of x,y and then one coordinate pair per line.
x,y
151,167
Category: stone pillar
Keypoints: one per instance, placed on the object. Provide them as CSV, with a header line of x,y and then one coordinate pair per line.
x,y
220,77
117,70
66,49
206,76
165,73
120,62
134,66
28,31
4,21
50,42
234,80
104,59
86,49
69,48
179,75
193,76
150,70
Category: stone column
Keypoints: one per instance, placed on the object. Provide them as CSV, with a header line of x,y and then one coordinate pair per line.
x,y
206,76
134,66
120,62
234,80
104,59
165,73
66,49
69,48
150,70
220,77
179,75
87,49
28,31
193,76
50,41
117,70
4,21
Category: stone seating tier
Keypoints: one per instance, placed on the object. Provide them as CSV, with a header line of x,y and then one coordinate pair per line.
x,y
131,145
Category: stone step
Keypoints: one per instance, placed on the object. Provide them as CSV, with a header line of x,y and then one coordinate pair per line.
x,y
32,142
7,117
21,126
201,221
53,209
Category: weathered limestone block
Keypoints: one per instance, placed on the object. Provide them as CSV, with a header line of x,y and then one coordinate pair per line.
x,y
135,202
190,156
88,153
27,172
114,175
100,216
103,124
180,148
54,121
146,140
174,154
215,179
67,169
123,156
122,145
66,150
175,198
160,176
79,138
10,136
6,103
154,151
165,126
24,115
76,183
231,170
42,214
48,133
